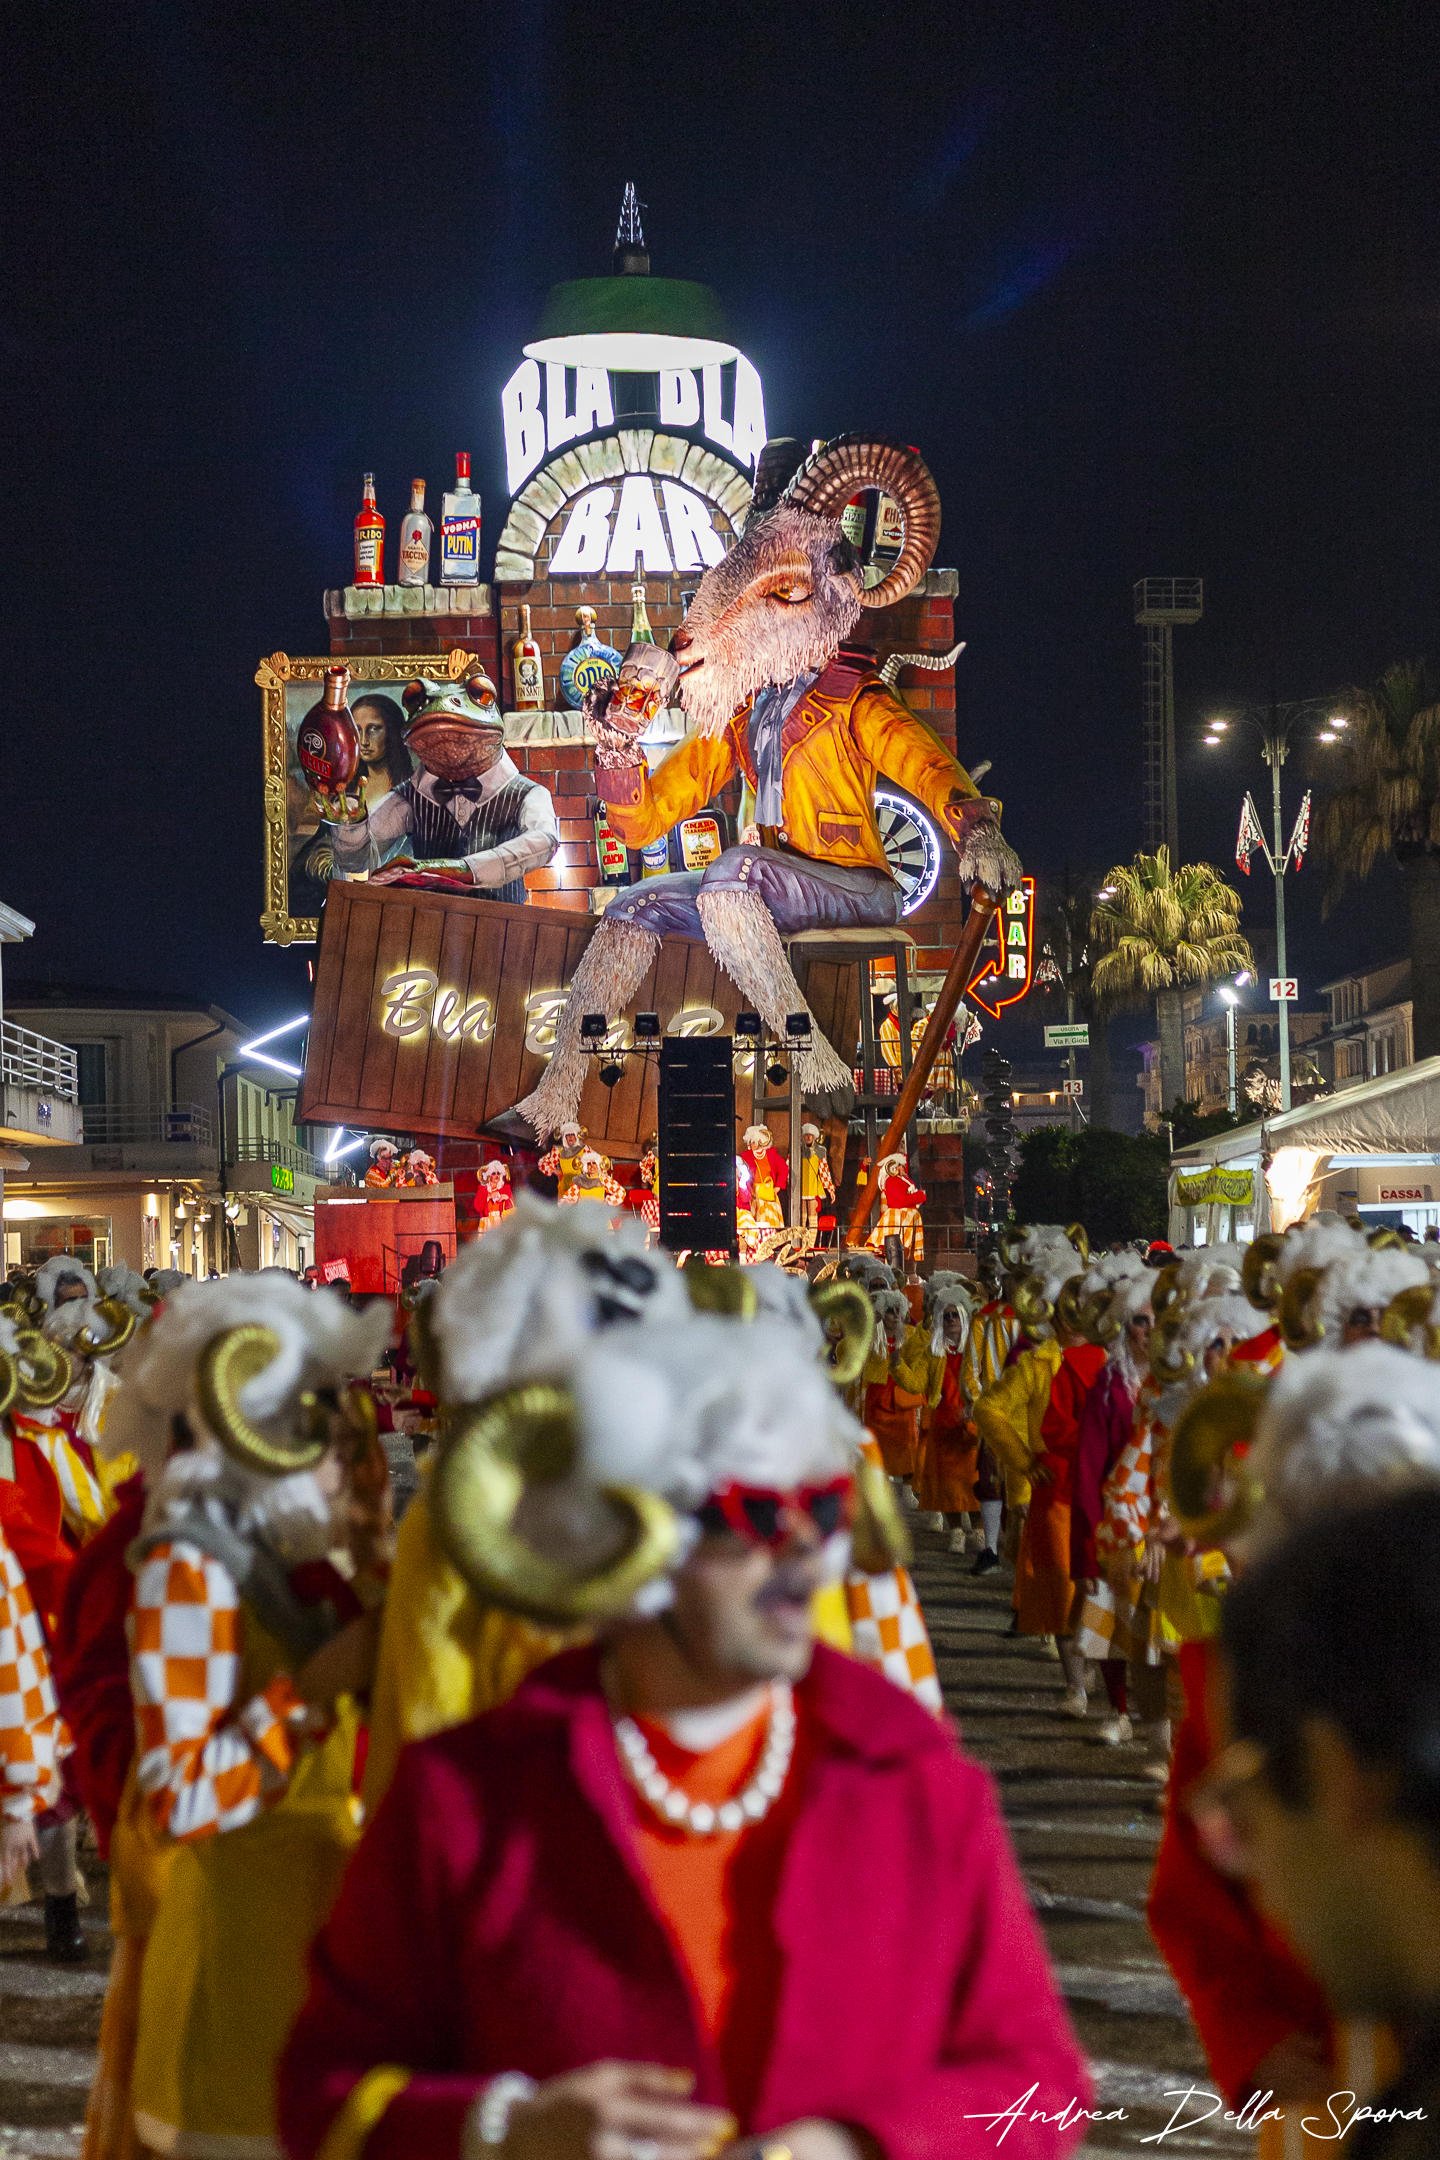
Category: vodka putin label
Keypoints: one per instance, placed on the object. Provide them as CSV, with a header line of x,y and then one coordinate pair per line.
x,y
460,528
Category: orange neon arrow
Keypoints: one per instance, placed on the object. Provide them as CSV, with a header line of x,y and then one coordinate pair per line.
x,y
997,967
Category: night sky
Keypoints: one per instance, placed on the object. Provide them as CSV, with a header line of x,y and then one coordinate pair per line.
x,y
1153,288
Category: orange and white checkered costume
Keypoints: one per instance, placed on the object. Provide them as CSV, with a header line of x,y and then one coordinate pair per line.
x,y
206,1763
887,1626
33,1738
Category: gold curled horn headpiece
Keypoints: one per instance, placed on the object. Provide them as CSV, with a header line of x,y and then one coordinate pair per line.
x,y
1213,1491
1031,1306
1407,1311
840,469
1070,1312
1257,1273
845,1305
1299,1324
120,1320
1011,1247
1168,1290
227,1363
879,1539
1385,1240
1079,1239
9,1381
1169,1360
724,1290
508,1449
46,1371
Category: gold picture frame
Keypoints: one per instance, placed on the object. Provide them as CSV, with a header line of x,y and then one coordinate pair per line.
x,y
277,677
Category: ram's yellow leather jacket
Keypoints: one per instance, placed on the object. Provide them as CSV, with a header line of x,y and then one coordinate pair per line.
x,y
845,731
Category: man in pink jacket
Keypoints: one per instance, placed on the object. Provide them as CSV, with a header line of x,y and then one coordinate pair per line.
x,y
701,1887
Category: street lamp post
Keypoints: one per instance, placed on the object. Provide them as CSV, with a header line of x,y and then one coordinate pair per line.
x,y
1274,730
1230,1001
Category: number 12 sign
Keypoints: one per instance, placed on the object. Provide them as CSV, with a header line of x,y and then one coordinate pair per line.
x,y
1284,990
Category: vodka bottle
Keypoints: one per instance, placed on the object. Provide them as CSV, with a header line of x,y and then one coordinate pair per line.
x,y
369,539
415,531
460,528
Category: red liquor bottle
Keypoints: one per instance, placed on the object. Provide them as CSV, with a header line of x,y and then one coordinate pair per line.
x,y
328,743
369,539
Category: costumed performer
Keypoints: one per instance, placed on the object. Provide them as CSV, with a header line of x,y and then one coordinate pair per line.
x,y
384,1163
773,694
994,1330
901,1200
1300,1455
647,1177
764,1175
493,1198
892,1398
562,1161
949,1447
563,1931
248,1651
816,1182
417,1168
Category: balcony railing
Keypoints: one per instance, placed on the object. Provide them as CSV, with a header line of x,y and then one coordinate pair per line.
x,y
112,1124
34,1061
283,1152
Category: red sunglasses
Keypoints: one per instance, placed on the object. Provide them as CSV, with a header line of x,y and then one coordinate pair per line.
x,y
756,1512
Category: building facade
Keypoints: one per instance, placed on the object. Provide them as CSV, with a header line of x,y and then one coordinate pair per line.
x,y
179,1159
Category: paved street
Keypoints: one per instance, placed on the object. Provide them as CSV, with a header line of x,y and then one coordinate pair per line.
x,y
1085,1823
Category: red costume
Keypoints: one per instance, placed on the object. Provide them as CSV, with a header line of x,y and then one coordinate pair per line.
x,y
1107,1421
92,1662
1245,1988
498,1916
1044,1589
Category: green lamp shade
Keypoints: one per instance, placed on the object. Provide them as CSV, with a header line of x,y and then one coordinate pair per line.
x,y
632,324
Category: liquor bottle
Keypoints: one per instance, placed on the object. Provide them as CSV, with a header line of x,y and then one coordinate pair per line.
x,y
611,851
640,631
415,531
460,528
589,663
526,671
369,539
328,742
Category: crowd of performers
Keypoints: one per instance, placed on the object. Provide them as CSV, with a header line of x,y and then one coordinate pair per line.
x,y
590,1793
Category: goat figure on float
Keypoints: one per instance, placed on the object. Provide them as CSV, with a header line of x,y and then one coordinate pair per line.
x,y
773,691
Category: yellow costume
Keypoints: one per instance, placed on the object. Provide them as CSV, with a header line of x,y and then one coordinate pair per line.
x,y
1009,1414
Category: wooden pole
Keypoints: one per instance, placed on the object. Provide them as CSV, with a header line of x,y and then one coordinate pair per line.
x,y
982,906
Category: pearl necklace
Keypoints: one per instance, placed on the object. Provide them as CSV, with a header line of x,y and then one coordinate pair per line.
x,y
697,1817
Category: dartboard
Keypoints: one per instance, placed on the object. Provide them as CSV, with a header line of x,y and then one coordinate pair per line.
x,y
911,848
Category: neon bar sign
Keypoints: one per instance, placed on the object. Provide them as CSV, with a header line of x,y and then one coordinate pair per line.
x,y
1006,970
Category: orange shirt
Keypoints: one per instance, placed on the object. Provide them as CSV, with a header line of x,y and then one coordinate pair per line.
x,y
716,1894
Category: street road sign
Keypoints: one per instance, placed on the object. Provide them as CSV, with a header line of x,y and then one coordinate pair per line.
x,y
1074,1035
1284,990
1074,1087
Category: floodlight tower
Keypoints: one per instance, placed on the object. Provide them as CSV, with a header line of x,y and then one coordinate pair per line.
x,y
1160,603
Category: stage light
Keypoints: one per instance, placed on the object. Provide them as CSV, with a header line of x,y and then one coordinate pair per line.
x,y
647,1026
593,1026
747,1026
609,1074
776,1074
797,1027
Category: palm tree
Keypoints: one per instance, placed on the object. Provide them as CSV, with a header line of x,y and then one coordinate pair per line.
x,y
1160,930
1067,968
1388,803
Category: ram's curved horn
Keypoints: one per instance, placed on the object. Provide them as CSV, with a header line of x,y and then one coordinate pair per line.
x,y
1212,1491
424,1345
1011,1248
840,469
46,1371
1385,1241
9,1382
1167,1290
879,1539
1408,1310
228,1361
1298,1324
120,1320
1031,1306
846,1304
1168,1362
1105,1322
1257,1273
724,1290
1068,1310
1079,1238
498,1457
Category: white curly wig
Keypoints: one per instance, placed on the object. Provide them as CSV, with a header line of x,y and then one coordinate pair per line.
x,y
529,1297
1338,1425
1368,1276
